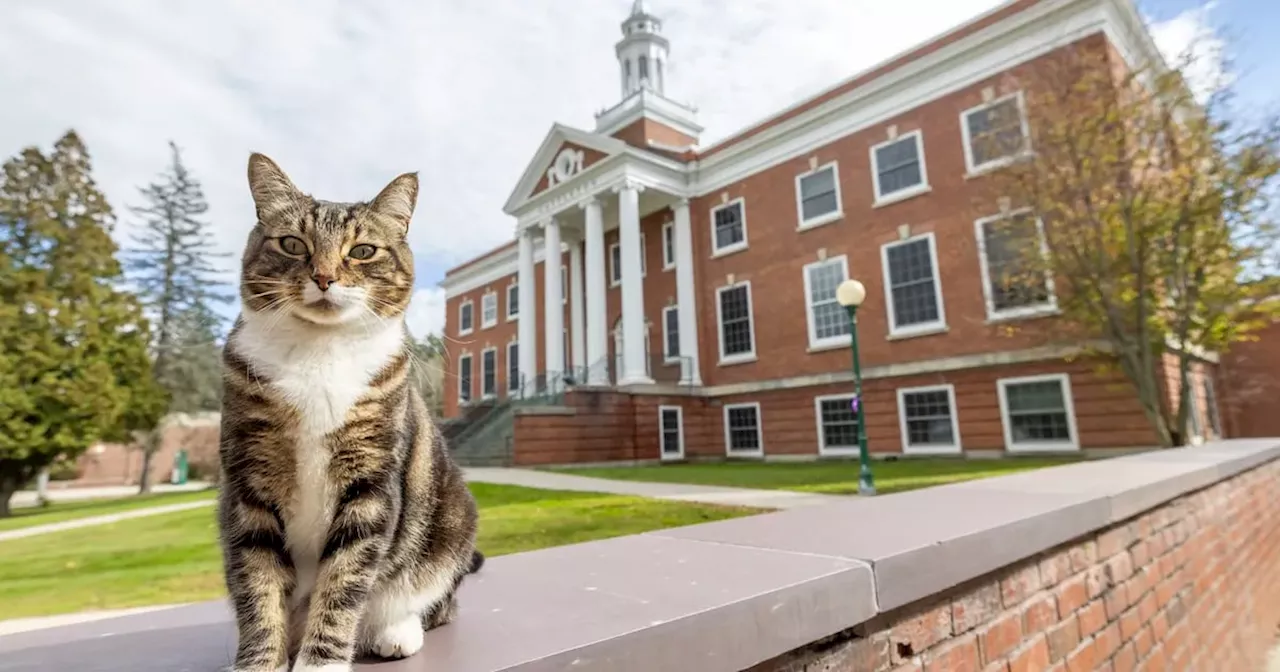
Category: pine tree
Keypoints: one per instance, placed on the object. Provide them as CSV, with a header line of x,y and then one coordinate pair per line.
x,y
74,366
172,265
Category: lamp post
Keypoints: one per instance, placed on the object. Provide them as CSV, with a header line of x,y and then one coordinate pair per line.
x,y
850,294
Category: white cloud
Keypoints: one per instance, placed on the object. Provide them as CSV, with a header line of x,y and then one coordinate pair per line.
x,y
426,312
1190,40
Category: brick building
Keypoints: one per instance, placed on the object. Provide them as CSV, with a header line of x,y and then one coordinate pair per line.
x,y
692,307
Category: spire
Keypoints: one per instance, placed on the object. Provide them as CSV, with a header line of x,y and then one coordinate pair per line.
x,y
642,52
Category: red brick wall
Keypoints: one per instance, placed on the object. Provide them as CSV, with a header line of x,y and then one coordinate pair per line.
x,y
121,464
1193,585
1250,385
589,157
642,131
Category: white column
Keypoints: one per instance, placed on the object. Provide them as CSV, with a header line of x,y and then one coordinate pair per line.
x,y
527,327
597,331
633,332
686,301
553,319
577,318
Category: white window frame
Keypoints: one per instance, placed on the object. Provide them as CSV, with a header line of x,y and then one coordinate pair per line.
x,y
494,393
1212,414
829,342
823,448
485,298
513,288
827,218
667,357
679,427
513,382
1048,307
923,328
955,447
759,430
617,267
668,246
1196,433
472,328
471,364
1067,401
742,357
882,198
968,143
741,202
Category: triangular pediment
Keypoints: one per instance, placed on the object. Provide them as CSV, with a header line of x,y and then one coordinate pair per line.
x,y
563,155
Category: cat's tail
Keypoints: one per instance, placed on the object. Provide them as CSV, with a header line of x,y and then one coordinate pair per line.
x,y
477,561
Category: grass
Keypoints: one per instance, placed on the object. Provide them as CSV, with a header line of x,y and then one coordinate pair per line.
x,y
823,477
174,557
58,512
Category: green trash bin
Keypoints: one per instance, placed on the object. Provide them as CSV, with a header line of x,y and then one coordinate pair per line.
x,y
179,468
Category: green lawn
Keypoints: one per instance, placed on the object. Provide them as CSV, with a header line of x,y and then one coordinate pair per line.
x,y
58,512
826,477
174,557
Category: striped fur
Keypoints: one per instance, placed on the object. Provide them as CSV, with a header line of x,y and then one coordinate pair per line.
x,y
346,526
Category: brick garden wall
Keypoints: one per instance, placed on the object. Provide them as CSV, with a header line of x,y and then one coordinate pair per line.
x,y
1191,585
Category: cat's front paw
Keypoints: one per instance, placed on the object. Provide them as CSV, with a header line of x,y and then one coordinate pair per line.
x,y
400,640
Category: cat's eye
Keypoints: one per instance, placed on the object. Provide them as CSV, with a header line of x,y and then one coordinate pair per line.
x,y
293,245
362,252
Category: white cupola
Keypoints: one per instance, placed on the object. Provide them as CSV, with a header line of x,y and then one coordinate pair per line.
x,y
642,52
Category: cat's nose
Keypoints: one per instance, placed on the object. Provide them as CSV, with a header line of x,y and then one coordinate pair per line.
x,y
323,281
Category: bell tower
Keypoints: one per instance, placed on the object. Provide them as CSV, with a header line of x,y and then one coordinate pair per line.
x,y
642,52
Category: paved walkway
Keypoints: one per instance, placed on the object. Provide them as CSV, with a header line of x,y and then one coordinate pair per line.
x,y
706,494
24,498
16,625
99,520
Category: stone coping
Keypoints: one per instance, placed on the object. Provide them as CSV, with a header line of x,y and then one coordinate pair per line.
x,y
714,597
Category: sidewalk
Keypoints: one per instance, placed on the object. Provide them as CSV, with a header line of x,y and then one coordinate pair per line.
x,y
100,520
26,498
706,494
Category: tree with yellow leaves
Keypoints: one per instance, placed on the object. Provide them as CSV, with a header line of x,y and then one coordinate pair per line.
x,y
1153,205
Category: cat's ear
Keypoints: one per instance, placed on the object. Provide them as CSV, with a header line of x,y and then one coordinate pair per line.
x,y
271,188
398,199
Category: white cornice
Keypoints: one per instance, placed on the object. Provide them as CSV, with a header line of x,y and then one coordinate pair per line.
x,y
648,104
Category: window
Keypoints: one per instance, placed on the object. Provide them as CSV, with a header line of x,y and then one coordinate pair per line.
x,y
565,363
466,317
1211,403
995,133
488,372
1196,429
818,196
1014,286
644,67
928,419
464,379
615,262
828,321
837,424
671,431
911,286
564,284
489,310
668,246
513,302
671,334
1037,413
728,228
737,333
742,434
897,167
513,366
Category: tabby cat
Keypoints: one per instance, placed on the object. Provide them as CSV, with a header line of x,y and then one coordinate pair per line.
x,y
346,526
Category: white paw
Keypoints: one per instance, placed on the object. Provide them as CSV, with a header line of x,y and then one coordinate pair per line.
x,y
400,640
327,667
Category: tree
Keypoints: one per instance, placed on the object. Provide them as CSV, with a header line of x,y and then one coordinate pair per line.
x,y
74,366
428,370
1154,211
171,264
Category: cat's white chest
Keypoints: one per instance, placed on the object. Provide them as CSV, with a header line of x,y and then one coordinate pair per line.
x,y
321,374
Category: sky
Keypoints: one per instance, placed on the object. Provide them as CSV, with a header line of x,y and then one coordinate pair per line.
x,y
346,95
